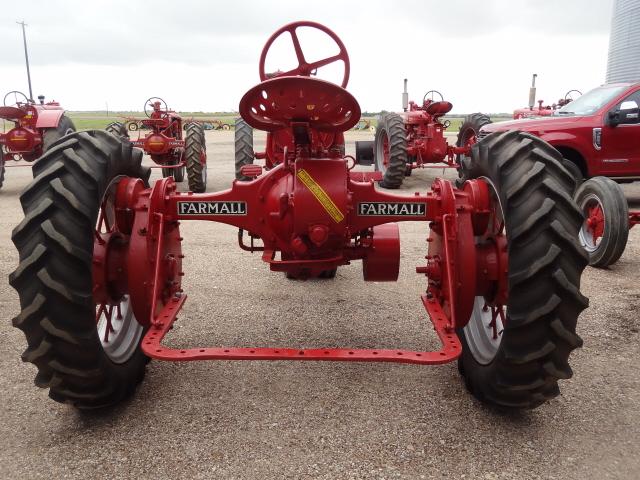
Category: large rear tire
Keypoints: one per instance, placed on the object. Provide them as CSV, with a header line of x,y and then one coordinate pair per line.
x,y
54,279
195,155
468,134
244,147
390,150
52,135
520,362
605,230
118,129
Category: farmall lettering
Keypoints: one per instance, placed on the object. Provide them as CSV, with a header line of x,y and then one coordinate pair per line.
x,y
212,208
403,209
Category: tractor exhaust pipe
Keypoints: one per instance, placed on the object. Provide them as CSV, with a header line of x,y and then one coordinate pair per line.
x,y
532,92
405,97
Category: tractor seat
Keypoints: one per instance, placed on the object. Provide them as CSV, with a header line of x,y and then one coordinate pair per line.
x,y
12,113
279,102
438,109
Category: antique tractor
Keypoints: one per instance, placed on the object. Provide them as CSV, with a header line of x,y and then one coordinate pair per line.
x,y
100,269
412,139
36,127
166,146
607,220
280,141
542,110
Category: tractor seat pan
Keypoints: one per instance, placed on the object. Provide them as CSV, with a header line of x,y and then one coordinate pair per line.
x,y
12,113
276,103
439,108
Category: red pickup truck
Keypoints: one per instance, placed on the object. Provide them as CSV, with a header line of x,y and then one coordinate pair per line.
x,y
599,132
598,135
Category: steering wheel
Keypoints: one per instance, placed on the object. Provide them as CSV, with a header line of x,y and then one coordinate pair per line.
x,y
432,92
568,94
277,103
149,103
305,68
16,94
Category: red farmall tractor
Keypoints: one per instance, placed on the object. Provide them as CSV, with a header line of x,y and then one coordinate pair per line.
x,y
36,126
100,269
281,140
166,146
411,139
542,110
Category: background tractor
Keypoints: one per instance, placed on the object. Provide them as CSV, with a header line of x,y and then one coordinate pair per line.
x,y
411,139
165,144
100,275
36,126
543,110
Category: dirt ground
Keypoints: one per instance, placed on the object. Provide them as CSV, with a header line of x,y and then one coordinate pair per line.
x,y
323,420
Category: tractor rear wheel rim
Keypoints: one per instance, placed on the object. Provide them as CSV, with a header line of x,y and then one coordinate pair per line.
x,y
486,324
593,226
118,330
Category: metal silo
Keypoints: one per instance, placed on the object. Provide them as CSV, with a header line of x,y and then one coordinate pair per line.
x,y
623,64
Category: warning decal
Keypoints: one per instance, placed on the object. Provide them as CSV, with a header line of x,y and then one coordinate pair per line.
x,y
322,197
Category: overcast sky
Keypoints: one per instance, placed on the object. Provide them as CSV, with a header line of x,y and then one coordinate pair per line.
x,y
203,55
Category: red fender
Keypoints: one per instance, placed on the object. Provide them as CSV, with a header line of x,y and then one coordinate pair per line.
x,y
48,118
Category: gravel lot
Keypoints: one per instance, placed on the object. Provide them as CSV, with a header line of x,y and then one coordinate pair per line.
x,y
323,420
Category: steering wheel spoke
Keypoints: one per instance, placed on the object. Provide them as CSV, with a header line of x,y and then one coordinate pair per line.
x,y
305,69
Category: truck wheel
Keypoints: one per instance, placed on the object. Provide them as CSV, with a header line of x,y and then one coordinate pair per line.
x,y
244,147
65,330
118,129
605,229
195,155
390,150
515,352
52,135
468,134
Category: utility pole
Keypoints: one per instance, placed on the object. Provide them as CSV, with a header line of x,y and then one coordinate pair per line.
x,y
26,57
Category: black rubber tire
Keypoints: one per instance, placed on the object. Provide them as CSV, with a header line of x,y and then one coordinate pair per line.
x,y
52,135
471,125
194,145
616,213
545,264
364,152
54,275
2,169
177,173
574,170
391,126
244,147
118,129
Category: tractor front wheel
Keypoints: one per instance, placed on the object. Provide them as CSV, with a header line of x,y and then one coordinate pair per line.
x,y
195,154
244,147
390,150
52,135
87,352
605,229
516,344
